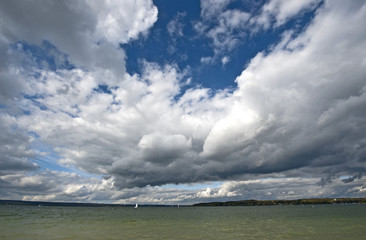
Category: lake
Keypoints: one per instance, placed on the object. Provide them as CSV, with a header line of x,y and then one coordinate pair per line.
x,y
264,222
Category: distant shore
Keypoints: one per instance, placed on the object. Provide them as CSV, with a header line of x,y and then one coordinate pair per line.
x,y
306,201
76,204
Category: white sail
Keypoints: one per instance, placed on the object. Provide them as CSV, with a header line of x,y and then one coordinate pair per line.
x,y
137,205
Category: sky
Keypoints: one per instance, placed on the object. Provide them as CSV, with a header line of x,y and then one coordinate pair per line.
x,y
179,102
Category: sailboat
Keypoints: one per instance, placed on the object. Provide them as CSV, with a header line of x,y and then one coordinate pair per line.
x,y
137,205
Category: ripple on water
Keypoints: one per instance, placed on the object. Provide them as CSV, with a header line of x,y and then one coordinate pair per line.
x,y
291,222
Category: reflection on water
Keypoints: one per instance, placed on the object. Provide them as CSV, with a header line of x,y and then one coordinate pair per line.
x,y
281,222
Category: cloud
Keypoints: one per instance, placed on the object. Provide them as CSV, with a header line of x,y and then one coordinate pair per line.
x,y
55,186
309,82
16,149
279,188
175,26
88,32
225,60
278,12
225,27
296,116
228,28
157,147
85,54
211,8
227,34
175,30
207,60
270,123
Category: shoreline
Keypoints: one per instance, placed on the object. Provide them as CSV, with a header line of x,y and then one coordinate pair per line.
x,y
252,202
303,201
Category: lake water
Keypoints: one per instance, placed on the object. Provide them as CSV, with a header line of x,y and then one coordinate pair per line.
x,y
266,222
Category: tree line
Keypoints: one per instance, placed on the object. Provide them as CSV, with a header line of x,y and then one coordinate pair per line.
x,y
308,201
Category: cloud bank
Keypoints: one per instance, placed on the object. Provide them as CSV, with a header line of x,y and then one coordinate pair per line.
x,y
296,119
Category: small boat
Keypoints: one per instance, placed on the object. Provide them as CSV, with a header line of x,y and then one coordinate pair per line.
x,y
137,205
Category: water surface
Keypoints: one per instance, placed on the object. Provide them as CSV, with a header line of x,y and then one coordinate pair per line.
x,y
264,222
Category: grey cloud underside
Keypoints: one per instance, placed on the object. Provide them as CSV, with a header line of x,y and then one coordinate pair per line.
x,y
281,188
15,150
52,185
298,111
